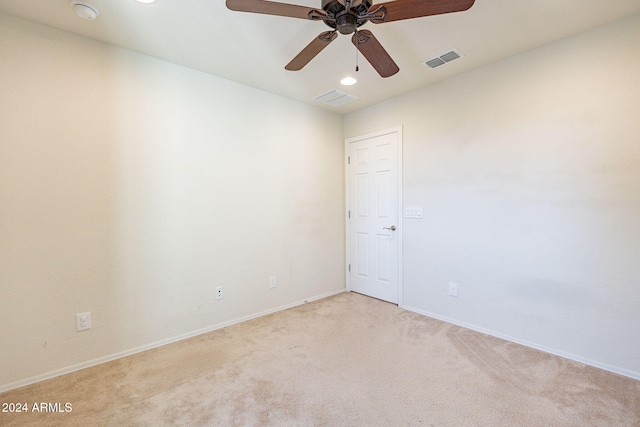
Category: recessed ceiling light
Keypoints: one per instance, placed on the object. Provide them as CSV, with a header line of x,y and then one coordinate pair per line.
x,y
348,81
146,1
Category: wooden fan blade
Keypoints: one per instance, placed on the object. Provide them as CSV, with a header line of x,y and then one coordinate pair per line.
x,y
274,8
408,9
371,49
312,49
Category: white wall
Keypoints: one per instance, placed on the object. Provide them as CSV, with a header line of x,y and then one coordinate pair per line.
x,y
131,187
528,171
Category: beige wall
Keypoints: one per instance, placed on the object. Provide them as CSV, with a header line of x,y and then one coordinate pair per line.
x,y
528,172
131,187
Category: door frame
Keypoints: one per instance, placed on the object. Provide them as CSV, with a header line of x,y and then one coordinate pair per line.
x,y
347,142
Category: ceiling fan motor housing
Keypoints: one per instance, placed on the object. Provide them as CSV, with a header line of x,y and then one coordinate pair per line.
x,y
345,23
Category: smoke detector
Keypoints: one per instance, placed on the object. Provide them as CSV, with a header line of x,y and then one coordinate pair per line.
x,y
85,10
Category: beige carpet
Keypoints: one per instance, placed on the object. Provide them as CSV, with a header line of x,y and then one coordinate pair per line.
x,y
347,360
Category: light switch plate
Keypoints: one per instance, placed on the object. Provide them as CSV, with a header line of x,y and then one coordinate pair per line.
x,y
413,212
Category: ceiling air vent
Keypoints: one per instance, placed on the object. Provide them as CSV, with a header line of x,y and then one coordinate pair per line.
x,y
335,97
443,59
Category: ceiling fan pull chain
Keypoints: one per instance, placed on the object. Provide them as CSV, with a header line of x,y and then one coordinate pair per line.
x,y
357,68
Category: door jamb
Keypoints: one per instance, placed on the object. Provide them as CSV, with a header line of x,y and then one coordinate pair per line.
x,y
398,130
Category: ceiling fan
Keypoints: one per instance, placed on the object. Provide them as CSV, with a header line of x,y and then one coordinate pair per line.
x,y
345,16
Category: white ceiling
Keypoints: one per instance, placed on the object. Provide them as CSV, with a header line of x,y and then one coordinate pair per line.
x,y
253,49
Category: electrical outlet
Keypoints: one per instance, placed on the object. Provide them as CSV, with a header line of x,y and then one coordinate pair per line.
x,y
219,292
453,289
83,321
272,282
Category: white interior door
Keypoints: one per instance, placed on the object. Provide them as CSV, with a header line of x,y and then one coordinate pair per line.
x,y
373,224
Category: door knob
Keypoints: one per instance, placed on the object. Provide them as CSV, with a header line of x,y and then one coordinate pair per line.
x,y
392,228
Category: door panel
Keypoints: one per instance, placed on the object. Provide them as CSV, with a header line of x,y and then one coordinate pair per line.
x,y
362,260
383,189
362,195
384,259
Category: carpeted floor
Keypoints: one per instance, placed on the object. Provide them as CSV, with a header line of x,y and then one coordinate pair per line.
x,y
347,360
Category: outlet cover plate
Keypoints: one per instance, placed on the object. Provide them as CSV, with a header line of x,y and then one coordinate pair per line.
x,y
453,289
83,321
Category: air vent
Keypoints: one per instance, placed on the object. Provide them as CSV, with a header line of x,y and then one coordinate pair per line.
x,y
435,62
335,97
443,59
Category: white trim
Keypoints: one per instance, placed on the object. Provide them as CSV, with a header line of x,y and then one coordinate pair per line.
x,y
347,247
157,344
400,217
398,130
603,366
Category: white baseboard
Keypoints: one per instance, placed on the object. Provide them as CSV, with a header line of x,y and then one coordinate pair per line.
x,y
98,361
603,366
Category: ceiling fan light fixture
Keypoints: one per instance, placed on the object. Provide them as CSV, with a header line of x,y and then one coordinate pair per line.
x,y
348,81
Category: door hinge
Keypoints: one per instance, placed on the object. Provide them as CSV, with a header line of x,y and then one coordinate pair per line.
x,y
348,160
349,267
349,214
